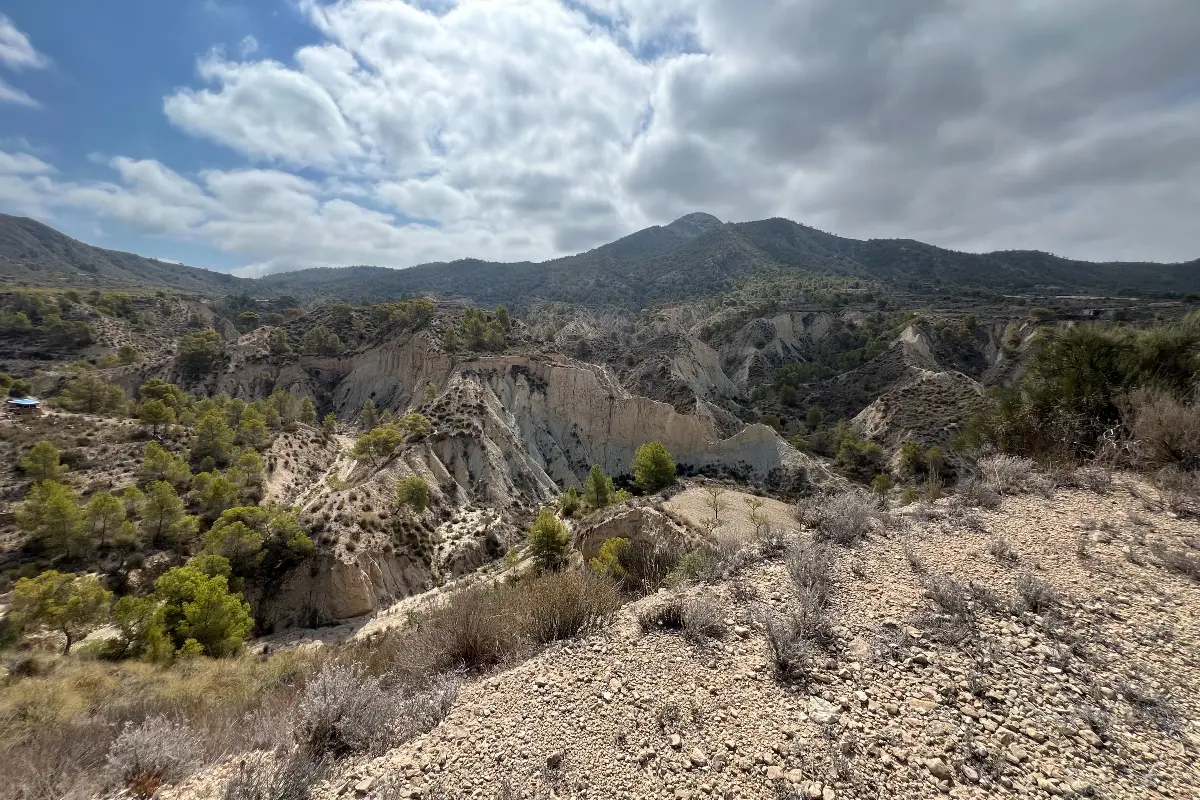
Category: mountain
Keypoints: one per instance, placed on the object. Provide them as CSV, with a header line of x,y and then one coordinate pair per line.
x,y
695,256
37,255
698,256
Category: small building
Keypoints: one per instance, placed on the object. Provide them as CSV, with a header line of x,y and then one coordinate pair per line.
x,y
23,405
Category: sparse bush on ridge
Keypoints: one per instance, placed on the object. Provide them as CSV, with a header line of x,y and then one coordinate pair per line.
x,y
159,750
697,618
1035,594
1165,430
975,493
843,519
343,710
642,567
1009,474
280,775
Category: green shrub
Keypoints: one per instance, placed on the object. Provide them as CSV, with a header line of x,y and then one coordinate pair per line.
x,y
412,493
570,502
860,459
653,467
548,540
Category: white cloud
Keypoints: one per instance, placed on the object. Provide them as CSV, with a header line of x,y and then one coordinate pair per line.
x,y
16,51
22,164
531,128
248,46
11,94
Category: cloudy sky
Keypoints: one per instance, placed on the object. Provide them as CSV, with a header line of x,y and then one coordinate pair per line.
x,y
262,135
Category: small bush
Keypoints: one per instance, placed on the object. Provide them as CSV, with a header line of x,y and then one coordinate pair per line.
x,y
282,775
1166,431
949,596
666,615
702,620
1001,549
158,750
1178,561
642,567
811,568
915,562
563,605
698,619
1007,474
473,629
343,710
791,649
974,493
843,519
1035,594
1179,490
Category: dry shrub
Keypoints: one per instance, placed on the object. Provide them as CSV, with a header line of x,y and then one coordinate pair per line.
x,y
1179,490
59,744
1010,474
282,775
667,615
343,710
810,564
843,519
702,620
1035,594
563,605
487,626
645,566
1096,479
1001,549
1166,431
161,750
949,595
472,630
975,493
795,638
769,541
698,618
1178,561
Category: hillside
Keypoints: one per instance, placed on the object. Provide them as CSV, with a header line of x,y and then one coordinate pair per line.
x,y
37,255
695,257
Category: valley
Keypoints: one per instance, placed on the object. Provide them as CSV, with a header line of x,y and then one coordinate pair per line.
x,y
715,510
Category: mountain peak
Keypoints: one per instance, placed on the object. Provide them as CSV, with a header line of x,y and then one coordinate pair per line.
x,y
695,224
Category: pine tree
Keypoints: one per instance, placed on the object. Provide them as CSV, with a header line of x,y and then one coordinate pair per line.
x,y
370,418
548,540
155,414
412,493
51,514
308,414
104,517
159,465
597,488
71,605
41,463
165,522
213,438
653,467
253,430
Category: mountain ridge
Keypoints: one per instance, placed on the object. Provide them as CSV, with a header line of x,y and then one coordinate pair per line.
x,y
693,257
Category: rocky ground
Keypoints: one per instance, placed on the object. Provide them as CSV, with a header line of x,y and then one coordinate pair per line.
x,y
1096,693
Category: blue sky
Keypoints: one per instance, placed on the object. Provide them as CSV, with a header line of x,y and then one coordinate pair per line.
x,y
267,135
113,62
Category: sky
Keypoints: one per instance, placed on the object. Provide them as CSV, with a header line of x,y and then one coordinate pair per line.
x,y
257,136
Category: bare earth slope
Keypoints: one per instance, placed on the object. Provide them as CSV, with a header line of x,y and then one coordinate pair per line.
x,y
1099,699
